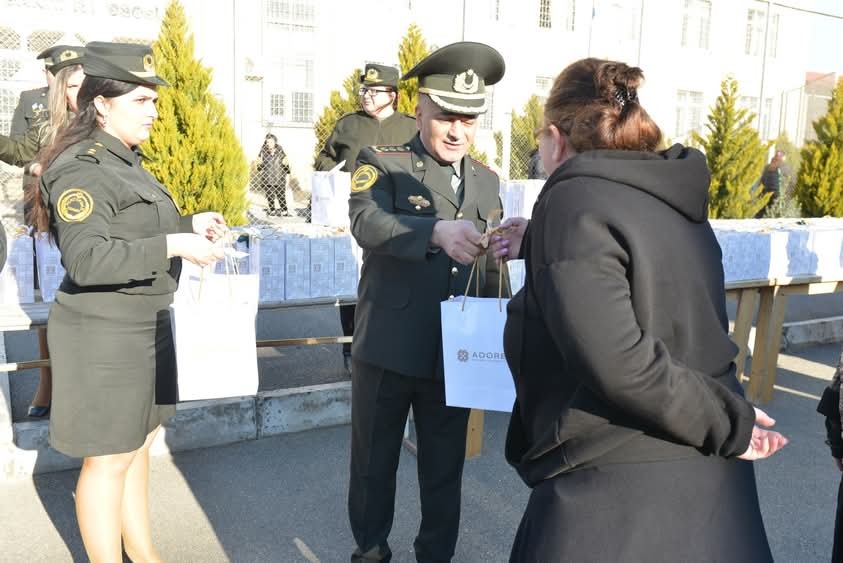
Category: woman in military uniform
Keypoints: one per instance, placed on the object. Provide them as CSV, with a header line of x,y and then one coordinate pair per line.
x,y
121,239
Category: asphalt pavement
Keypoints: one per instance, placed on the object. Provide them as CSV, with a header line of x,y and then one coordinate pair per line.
x,y
284,499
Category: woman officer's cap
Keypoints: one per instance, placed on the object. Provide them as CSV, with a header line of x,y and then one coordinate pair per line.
x,y
455,76
127,62
58,57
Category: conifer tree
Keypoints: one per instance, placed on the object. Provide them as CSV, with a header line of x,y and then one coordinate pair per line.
x,y
819,183
736,158
339,104
192,148
413,48
523,138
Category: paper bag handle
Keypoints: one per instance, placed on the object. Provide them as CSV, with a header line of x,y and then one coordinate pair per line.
x,y
501,266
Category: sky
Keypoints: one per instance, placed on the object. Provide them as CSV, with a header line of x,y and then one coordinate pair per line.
x,y
825,54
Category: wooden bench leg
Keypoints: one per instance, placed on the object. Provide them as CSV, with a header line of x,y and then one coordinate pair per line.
x,y
474,436
743,324
772,359
760,373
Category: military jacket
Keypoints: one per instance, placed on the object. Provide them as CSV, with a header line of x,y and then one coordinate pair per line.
x,y
110,218
354,131
403,279
31,105
23,150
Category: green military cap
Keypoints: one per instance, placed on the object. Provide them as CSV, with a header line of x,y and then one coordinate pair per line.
x,y
455,76
380,75
127,62
58,57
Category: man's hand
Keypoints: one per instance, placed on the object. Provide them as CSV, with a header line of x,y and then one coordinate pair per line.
x,y
763,443
459,239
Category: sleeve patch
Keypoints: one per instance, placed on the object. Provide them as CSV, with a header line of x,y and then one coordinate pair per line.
x,y
364,177
74,205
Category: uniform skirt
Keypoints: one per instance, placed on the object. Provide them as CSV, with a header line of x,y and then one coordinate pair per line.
x,y
702,509
109,353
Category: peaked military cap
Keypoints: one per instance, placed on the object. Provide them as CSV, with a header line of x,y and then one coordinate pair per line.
x,y
58,57
127,62
380,75
455,76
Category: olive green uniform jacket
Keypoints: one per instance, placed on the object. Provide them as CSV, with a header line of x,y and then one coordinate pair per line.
x,y
354,131
403,279
22,150
31,105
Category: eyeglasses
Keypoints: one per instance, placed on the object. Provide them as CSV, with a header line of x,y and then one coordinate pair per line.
x,y
372,91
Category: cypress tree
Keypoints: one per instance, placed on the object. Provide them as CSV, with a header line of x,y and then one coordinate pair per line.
x,y
736,158
819,183
413,48
523,136
339,104
192,147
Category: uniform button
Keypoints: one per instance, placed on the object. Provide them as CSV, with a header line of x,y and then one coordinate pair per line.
x,y
450,297
454,271
459,215
418,208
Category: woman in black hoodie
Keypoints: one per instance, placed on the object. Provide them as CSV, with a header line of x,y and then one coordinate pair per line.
x,y
628,418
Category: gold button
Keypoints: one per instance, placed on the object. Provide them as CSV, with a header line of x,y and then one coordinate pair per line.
x,y
418,208
459,215
419,164
454,271
450,297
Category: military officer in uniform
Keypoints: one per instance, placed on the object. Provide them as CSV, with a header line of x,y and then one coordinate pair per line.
x,y
376,124
418,211
32,104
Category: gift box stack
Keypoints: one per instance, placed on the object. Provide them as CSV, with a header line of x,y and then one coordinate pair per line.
x,y
518,197
17,280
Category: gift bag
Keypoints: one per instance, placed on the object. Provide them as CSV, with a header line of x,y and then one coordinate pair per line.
x,y
476,373
213,318
50,271
329,198
17,278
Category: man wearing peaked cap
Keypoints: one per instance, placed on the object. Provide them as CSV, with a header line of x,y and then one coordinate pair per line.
x,y
418,210
33,103
127,62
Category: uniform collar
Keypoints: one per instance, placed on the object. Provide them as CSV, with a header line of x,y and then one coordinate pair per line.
x,y
116,147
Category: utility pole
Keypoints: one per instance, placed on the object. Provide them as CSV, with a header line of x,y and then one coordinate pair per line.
x,y
763,68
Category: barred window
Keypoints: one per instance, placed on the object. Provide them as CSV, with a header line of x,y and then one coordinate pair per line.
x,y
756,22
276,105
544,14
8,68
123,39
8,101
299,15
696,23
689,111
40,39
543,86
9,38
570,14
302,107
750,103
486,120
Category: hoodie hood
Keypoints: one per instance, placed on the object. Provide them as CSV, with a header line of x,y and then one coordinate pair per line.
x,y
678,176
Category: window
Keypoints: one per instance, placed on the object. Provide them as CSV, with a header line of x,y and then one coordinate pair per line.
x,y
756,22
696,23
689,109
9,38
544,14
276,105
302,107
750,103
8,101
41,39
569,14
9,68
486,120
290,90
299,15
543,86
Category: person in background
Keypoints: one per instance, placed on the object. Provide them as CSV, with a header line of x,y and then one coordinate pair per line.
x,y
377,123
831,407
417,210
629,424
771,180
273,169
121,239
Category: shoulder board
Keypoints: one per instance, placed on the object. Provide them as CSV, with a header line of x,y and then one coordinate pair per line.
x,y
391,149
88,151
479,164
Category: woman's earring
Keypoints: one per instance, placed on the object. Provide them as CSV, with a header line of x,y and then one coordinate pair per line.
x,y
104,121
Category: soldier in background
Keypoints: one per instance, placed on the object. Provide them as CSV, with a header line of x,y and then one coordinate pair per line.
x,y
32,104
376,124
418,211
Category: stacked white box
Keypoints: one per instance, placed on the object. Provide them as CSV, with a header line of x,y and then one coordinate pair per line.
x,y
50,270
322,267
17,280
297,264
272,269
346,270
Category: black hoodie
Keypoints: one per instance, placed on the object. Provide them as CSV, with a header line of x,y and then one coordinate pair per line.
x,y
618,342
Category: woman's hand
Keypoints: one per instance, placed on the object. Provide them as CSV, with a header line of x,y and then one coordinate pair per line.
x,y
193,248
763,443
506,243
210,225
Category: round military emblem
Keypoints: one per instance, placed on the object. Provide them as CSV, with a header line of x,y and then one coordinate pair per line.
x,y
74,205
67,55
466,82
364,177
149,63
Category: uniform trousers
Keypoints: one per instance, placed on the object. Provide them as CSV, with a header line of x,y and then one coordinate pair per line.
x,y
380,402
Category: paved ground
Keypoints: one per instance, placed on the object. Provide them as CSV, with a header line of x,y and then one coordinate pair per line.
x,y
283,499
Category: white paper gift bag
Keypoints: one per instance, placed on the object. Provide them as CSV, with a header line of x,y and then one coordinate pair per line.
x,y
476,372
329,198
213,318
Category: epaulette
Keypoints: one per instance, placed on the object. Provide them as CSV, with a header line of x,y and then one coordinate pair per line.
x,y
391,149
474,161
88,151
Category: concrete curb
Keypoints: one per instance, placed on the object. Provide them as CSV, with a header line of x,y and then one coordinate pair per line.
x,y
803,334
198,424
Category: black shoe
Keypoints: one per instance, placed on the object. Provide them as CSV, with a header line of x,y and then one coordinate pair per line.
x,y
38,411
